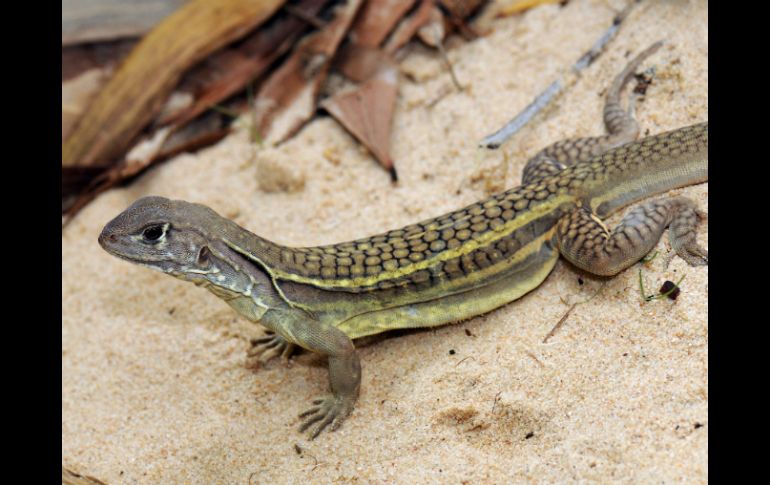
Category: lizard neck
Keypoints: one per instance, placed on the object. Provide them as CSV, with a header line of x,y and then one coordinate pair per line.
x,y
241,283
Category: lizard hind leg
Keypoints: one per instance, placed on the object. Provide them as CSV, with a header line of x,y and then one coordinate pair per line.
x,y
585,241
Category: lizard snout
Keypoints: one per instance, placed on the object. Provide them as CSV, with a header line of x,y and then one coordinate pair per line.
x,y
106,237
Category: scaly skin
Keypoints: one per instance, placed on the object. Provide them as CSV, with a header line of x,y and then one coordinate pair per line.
x,y
442,270
621,126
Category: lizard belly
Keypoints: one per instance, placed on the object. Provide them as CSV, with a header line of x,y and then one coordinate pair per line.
x,y
505,288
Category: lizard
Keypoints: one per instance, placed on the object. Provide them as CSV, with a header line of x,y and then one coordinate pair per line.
x,y
443,270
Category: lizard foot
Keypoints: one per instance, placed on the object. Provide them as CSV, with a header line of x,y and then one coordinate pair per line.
x,y
265,348
327,410
682,235
693,254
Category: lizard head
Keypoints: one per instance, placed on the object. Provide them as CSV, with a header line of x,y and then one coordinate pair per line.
x,y
161,234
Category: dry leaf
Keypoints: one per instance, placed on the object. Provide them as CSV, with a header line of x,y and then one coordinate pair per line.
x,y
288,98
377,19
229,72
408,27
460,9
77,59
137,91
100,20
435,29
367,113
88,182
359,63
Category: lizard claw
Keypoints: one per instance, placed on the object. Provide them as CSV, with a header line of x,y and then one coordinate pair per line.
x,y
327,410
268,347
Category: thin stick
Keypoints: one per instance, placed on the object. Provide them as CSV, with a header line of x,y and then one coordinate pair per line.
x,y
559,323
448,65
567,313
496,139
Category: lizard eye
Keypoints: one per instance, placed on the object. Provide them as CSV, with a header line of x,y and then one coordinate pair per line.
x,y
154,233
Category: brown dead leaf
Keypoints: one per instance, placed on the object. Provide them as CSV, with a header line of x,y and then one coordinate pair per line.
x,y
137,91
435,29
230,71
166,142
460,9
180,127
77,59
377,19
367,113
359,63
408,27
288,98
80,185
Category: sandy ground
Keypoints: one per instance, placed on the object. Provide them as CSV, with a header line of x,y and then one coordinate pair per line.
x,y
154,387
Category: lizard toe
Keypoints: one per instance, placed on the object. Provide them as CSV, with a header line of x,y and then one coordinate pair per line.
x,y
328,411
266,348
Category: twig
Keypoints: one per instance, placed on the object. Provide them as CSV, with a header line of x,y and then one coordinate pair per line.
x,y
68,477
496,139
448,64
559,323
534,357
567,313
443,92
463,360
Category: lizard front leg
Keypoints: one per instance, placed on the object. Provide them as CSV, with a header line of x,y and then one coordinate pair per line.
x,y
585,241
344,367
267,347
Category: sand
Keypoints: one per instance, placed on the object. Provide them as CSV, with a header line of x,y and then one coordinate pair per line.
x,y
154,386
